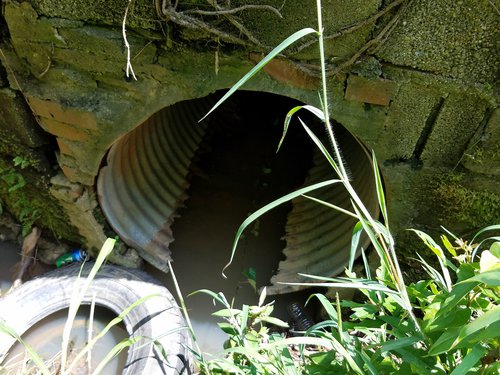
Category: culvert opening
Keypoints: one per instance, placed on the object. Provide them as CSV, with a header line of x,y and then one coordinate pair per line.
x,y
231,164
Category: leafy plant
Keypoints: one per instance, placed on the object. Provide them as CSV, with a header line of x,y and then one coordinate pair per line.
x,y
26,211
440,325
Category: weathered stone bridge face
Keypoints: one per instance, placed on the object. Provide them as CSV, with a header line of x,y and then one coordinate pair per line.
x,y
412,80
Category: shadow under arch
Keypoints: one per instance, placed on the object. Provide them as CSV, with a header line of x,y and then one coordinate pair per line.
x,y
148,172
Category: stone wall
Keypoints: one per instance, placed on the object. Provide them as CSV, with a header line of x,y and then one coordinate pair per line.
x,y
414,80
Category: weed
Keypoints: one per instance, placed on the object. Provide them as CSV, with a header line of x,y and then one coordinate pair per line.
x,y
436,325
27,213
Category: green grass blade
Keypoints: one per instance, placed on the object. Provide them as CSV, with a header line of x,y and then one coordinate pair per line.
x,y
114,352
366,264
341,283
433,273
383,256
316,111
77,298
416,361
436,249
476,248
396,344
487,229
469,360
367,361
332,206
323,150
269,207
356,235
277,50
4,328
106,329
219,297
244,321
380,190
327,306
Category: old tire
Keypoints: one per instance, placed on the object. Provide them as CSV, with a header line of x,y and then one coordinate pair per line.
x,y
115,288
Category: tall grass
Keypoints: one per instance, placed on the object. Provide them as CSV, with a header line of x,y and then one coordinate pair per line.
x,y
398,327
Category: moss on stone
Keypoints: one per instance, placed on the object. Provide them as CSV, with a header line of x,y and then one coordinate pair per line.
x,y
31,204
407,117
461,203
456,123
452,38
142,13
483,153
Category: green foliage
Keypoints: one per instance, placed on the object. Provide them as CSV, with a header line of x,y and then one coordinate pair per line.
x,y
472,207
252,347
24,207
448,323
459,323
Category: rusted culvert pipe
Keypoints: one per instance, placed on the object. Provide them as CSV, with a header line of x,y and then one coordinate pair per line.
x,y
146,179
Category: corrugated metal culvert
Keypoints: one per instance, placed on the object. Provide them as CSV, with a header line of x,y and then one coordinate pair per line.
x,y
145,181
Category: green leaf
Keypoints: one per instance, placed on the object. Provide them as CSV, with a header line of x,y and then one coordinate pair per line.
x,y
244,321
226,313
356,235
414,357
77,297
458,318
125,343
228,328
458,292
269,207
433,273
487,229
470,360
316,111
262,297
395,344
487,325
476,248
495,249
332,206
447,244
488,261
6,329
484,327
283,45
275,321
436,249
380,190
327,305
322,148
219,297
491,278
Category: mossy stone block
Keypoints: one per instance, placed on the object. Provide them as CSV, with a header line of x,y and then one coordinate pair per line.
x,y
483,154
407,117
458,120
17,121
452,38
142,13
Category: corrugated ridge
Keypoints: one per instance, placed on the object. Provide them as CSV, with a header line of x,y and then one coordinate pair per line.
x,y
318,238
145,180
